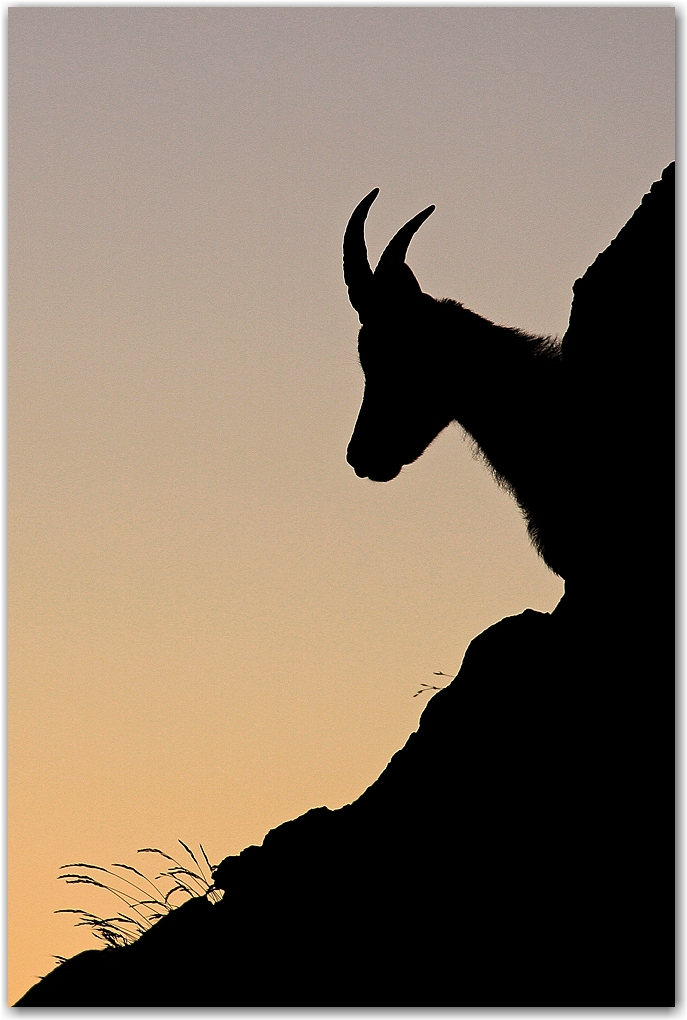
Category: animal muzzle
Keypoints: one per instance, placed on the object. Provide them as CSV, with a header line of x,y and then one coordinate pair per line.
x,y
368,465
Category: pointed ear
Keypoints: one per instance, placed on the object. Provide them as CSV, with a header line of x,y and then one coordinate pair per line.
x,y
398,279
392,276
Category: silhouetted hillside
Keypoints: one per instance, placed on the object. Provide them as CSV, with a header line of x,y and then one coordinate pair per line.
x,y
517,851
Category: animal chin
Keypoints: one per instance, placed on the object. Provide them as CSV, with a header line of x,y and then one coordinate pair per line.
x,y
384,474
376,473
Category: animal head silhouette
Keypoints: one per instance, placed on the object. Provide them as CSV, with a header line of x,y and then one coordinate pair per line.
x,y
402,410
549,417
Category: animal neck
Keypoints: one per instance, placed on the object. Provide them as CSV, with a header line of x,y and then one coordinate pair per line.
x,y
504,387
500,380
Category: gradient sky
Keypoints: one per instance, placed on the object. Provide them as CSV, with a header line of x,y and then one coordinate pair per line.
x,y
214,625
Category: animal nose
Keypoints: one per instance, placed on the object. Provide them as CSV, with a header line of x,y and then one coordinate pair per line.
x,y
376,469
353,458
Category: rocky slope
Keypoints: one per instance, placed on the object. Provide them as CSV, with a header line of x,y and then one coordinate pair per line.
x,y
517,851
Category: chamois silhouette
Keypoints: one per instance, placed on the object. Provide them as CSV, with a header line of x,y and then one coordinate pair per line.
x,y
556,422
519,849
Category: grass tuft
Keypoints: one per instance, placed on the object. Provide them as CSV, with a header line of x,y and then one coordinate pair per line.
x,y
144,904
426,688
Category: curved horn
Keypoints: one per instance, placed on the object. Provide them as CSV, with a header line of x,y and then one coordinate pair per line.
x,y
397,247
357,273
